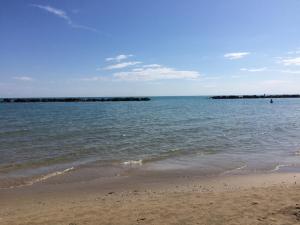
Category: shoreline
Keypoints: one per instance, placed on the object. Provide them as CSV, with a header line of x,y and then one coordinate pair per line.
x,y
133,198
168,169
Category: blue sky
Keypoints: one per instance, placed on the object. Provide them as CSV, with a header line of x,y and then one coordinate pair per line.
x,y
149,48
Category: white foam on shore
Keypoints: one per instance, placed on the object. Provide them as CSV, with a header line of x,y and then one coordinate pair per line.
x,y
278,167
45,177
297,153
238,168
133,162
42,178
242,167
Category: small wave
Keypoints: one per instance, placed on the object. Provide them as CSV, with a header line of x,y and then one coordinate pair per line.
x,y
42,178
278,167
235,169
297,153
45,177
133,162
242,167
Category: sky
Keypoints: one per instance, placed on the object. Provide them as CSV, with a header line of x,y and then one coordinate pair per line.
x,y
62,48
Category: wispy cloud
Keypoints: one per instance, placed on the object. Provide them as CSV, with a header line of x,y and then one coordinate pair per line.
x,y
57,12
156,73
121,65
236,55
290,61
152,66
23,78
297,51
95,78
290,71
254,69
118,58
63,15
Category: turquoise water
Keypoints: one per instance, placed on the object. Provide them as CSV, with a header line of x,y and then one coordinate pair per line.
x,y
166,132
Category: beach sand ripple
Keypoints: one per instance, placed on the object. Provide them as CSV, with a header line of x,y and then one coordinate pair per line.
x,y
197,203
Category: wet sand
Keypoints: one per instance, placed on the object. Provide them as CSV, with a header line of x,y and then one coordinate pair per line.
x,y
272,198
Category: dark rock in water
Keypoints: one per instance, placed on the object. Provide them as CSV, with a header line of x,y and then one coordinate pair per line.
x,y
253,96
113,99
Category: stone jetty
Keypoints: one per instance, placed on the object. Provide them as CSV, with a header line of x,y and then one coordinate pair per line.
x,y
253,96
79,99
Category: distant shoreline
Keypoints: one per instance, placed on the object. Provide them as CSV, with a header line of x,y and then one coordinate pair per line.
x,y
70,99
253,96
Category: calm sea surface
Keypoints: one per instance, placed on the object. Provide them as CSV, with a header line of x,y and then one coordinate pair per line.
x,y
166,133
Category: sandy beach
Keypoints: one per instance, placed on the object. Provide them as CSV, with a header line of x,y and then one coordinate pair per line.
x,y
149,112
272,198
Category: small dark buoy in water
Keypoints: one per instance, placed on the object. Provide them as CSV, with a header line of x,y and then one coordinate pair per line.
x,y
271,101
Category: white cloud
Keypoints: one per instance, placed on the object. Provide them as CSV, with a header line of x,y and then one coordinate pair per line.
x,y
293,52
152,66
290,71
297,51
291,61
57,12
236,55
254,69
118,58
95,78
156,73
121,65
63,15
23,78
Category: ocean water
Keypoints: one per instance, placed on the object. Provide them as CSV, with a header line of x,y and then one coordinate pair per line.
x,y
42,140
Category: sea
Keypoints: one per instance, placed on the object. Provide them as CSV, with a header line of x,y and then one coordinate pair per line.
x,y
41,140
